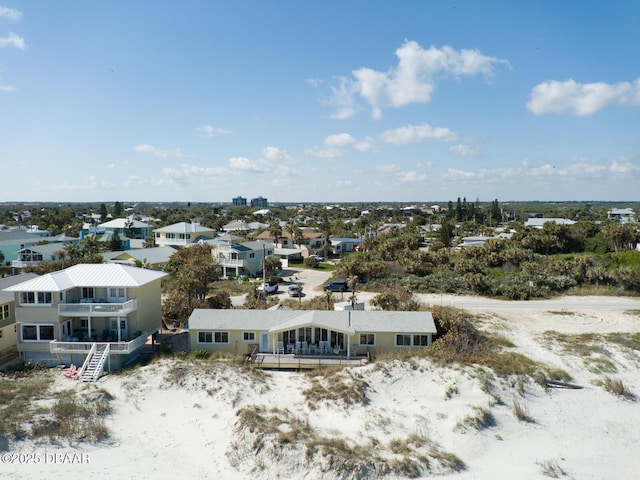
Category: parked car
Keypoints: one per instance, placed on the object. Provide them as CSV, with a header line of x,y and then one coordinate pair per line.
x,y
337,286
295,291
269,287
320,258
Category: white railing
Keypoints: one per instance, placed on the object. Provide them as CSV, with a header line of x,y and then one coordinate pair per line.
x,y
25,263
87,360
97,308
231,262
117,348
100,367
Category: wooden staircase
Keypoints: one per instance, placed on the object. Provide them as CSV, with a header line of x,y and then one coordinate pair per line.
x,y
93,366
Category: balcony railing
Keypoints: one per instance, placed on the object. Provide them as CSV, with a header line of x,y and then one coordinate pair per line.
x,y
97,309
25,263
116,348
231,262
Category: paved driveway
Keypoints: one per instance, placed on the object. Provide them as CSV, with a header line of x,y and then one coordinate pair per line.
x,y
312,282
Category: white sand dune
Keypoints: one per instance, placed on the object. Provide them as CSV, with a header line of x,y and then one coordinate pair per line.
x,y
176,419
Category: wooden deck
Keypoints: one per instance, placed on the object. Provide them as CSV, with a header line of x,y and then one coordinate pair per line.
x,y
299,362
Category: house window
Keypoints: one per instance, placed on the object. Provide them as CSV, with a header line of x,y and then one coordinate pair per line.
x,y
37,333
114,324
248,336
4,313
84,323
252,255
421,340
44,297
304,334
415,340
205,337
116,292
87,292
368,339
32,298
221,337
289,337
1,333
27,298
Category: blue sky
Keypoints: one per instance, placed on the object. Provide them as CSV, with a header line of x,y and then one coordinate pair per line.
x,y
332,101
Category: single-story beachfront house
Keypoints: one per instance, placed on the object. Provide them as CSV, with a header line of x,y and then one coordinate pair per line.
x,y
314,333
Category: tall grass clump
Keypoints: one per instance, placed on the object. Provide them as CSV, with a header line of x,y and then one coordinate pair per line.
x,y
617,387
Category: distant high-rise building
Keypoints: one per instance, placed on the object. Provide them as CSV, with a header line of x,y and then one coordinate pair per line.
x,y
239,201
259,202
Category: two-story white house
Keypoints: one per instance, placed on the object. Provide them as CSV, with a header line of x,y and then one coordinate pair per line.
x,y
37,254
182,234
63,316
243,258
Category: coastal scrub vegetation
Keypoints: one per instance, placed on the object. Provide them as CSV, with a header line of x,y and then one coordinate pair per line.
x,y
31,409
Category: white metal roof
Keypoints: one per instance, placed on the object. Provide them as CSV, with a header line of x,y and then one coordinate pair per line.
x,y
184,227
123,223
89,275
280,320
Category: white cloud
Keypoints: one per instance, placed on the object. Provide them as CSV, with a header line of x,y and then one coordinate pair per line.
x,y
13,40
464,150
624,166
344,184
7,88
190,174
412,80
342,98
417,133
387,168
285,171
326,153
274,154
246,165
156,152
314,82
339,140
366,145
10,14
88,183
581,99
410,177
209,131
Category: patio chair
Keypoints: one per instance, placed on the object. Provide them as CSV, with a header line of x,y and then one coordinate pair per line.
x,y
297,348
321,346
305,347
280,347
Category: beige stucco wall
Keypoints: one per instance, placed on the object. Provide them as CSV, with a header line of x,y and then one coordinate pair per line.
x,y
148,316
236,345
385,342
8,340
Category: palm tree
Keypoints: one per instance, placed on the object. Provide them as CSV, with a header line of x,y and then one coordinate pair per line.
x,y
276,231
90,245
328,293
69,250
298,237
352,281
149,242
